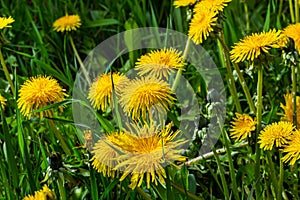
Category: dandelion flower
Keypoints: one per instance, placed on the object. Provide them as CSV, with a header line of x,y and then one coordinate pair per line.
x,y
293,31
147,152
67,23
252,46
241,127
4,22
38,92
292,149
107,153
201,25
288,109
42,194
212,5
276,134
181,3
101,90
145,93
160,63
3,101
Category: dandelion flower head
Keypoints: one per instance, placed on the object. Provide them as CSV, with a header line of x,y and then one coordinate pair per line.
x,y
250,47
101,90
292,149
67,23
277,134
201,25
160,63
288,109
38,92
293,31
182,3
42,194
144,94
3,101
241,127
5,22
212,5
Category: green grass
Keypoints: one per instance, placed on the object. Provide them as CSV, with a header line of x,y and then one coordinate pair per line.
x,y
34,48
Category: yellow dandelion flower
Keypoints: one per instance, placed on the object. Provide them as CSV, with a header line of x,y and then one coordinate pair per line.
x,y
3,101
276,133
100,92
292,149
242,126
212,5
107,153
288,109
146,154
67,23
42,194
4,22
201,25
145,93
293,31
160,63
252,46
180,3
38,92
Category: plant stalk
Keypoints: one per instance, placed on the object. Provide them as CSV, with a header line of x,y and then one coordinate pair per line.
x,y
64,145
7,75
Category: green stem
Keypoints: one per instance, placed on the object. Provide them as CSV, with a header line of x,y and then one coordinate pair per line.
x,y
240,76
281,175
184,192
272,172
247,16
179,72
292,11
294,93
231,166
296,11
64,145
61,189
222,174
229,77
6,73
85,73
144,194
259,119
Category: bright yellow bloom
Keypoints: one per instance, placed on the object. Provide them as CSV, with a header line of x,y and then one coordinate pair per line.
x,y
276,133
3,101
160,63
144,94
293,32
252,46
179,3
101,90
146,151
201,25
67,23
107,154
288,108
241,127
212,5
38,92
292,149
43,194
4,22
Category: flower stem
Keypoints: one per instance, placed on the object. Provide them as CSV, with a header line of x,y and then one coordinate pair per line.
x,y
272,172
85,73
280,182
259,119
64,145
6,73
247,16
296,11
292,11
179,72
240,76
229,77
294,93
